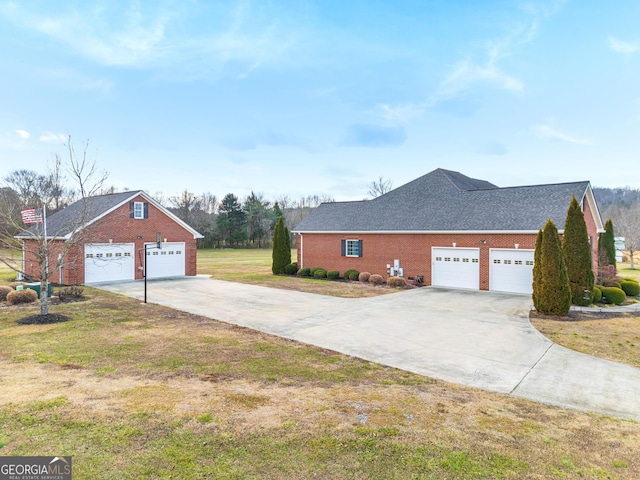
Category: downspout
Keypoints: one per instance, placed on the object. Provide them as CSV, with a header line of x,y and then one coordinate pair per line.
x,y
301,251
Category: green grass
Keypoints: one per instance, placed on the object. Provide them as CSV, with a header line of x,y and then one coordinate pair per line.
x,y
624,270
12,256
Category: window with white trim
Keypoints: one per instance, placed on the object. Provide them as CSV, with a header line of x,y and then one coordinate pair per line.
x,y
138,209
353,248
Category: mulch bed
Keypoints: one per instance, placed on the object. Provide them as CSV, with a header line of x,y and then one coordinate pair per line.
x,y
43,319
577,315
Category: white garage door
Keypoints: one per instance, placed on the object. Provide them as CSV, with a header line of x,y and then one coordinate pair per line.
x,y
455,267
510,270
108,262
169,261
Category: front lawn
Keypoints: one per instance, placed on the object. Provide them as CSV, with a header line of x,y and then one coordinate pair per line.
x,y
253,266
135,390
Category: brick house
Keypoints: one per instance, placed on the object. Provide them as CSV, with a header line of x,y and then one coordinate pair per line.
x,y
444,229
105,238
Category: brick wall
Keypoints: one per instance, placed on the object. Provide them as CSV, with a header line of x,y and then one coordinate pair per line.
x,y
413,251
118,227
592,230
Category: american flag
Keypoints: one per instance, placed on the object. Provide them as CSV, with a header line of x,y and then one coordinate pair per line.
x,y
29,216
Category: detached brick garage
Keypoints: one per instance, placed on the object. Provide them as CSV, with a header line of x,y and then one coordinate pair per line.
x,y
445,228
106,237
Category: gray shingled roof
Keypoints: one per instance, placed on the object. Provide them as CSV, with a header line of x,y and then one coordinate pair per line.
x,y
444,200
70,218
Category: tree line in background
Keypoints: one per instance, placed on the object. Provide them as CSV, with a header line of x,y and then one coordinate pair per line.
x,y
227,223
622,207
235,223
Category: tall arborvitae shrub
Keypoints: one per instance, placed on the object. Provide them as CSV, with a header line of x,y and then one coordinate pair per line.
x,y
577,255
287,236
537,271
281,254
607,246
554,296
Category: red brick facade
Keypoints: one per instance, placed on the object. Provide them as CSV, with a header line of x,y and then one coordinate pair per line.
x,y
413,250
118,227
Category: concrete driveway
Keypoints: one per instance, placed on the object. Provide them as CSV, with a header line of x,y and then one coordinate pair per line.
x,y
480,339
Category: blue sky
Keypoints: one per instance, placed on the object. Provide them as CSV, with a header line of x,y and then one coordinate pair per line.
x,y
322,97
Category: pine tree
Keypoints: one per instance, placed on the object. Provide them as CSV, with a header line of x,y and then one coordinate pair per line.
x,y
281,254
537,271
577,255
554,297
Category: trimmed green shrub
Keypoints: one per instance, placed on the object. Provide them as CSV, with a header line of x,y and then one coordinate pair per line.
x,y
22,296
630,288
320,273
613,295
537,272
630,279
607,246
291,269
304,272
553,295
396,282
577,254
364,276
4,291
333,274
376,279
354,275
313,270
347,273
281,253
597,294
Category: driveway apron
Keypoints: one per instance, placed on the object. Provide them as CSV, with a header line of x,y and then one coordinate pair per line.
x,y
480,339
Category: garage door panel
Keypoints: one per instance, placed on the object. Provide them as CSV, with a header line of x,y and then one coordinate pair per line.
x,y
168,261
455,267
108,262
511,270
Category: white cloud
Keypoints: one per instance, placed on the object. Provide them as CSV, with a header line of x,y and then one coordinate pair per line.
x,y
401,113
151,35
620,46
48,137
23,134
549,133
468,72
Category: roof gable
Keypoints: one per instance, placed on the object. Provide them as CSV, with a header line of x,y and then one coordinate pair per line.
x,y
445,201
66,222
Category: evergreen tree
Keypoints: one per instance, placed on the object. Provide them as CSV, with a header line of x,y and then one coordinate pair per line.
x,y
607,246
537,271
577,255
277,211
287,236
231,221
281,254
554,296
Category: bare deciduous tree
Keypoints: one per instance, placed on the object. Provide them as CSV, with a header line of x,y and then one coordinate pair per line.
x,y
47,248
627,224
380,187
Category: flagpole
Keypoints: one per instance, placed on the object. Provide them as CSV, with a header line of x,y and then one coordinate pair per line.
x,y
44,220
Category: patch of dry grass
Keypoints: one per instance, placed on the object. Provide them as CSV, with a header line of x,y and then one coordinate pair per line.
x,y
613,336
